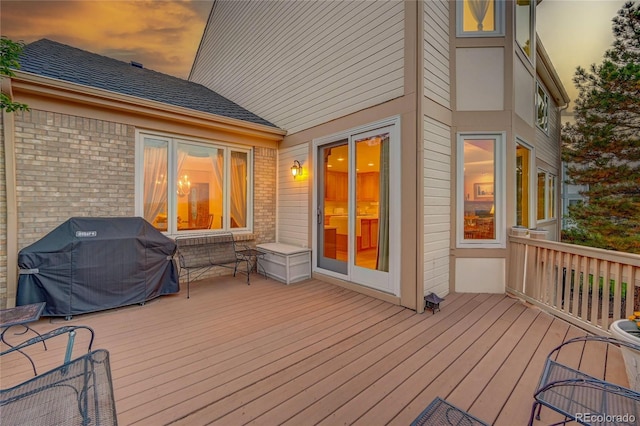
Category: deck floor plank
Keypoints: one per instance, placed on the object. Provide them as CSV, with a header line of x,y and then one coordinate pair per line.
x,y
316,353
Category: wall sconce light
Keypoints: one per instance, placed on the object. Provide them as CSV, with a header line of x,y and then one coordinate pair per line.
x,y
296,169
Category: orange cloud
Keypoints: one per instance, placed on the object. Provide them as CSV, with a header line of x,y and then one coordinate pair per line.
x,y
163,35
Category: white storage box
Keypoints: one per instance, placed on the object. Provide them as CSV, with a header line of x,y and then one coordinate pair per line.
x,y
285,262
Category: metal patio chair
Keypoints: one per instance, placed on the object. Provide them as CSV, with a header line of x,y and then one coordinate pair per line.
x,y
77,392
581,397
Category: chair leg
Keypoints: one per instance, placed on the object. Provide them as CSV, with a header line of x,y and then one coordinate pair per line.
x,y
533,413
188,284
248,271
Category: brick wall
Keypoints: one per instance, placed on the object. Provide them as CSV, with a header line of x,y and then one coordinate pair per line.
x,y
71,166
74,166
264,198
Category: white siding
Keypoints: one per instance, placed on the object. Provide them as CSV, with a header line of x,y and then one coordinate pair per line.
x,y
293,197
299,64
437,84
437,206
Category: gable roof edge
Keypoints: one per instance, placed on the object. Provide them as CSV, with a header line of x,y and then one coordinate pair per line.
x,y
61,89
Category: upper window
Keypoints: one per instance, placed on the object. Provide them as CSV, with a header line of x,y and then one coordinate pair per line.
x,y
546,195
525,11
480,194
480,18
542,108
186,186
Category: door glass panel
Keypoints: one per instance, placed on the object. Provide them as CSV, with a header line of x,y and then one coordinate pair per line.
x,y
333,207
372,194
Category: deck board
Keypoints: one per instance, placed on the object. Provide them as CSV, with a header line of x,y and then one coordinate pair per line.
x,y
315,353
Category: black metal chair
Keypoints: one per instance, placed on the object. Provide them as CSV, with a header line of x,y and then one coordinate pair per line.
x,y
442,413
581,397
78,392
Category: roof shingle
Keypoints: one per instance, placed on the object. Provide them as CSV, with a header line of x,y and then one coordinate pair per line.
x,y
48,58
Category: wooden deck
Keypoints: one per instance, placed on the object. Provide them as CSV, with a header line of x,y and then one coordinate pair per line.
x,y
315,353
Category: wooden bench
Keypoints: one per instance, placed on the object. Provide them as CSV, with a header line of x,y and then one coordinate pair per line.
x,y
220,252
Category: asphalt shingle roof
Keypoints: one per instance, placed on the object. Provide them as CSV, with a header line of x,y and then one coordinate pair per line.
x,y
48,58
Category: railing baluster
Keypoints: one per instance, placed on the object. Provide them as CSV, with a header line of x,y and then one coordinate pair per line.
x,y
605,297
581,284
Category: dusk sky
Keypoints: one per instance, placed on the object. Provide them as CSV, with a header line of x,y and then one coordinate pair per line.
x,y
164,34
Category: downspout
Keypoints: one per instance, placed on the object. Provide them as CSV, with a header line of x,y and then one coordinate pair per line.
x,y
9,180
419,94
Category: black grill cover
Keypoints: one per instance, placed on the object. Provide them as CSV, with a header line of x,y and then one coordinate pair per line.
x,y
92,264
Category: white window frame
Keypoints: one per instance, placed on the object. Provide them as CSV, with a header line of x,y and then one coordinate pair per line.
x,y
532,31
545,99
173,141
548,178
499,198
532,178
499,14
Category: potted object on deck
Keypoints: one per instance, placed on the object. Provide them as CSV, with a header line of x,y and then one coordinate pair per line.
x,y
538,234
628,331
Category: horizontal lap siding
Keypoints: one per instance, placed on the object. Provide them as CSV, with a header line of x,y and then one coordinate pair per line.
x,y
299,64
437,205
293,197
436,52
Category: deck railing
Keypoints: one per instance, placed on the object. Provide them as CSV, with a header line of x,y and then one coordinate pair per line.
x,y
586,286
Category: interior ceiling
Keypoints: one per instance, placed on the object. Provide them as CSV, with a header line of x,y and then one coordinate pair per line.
x,y
367,158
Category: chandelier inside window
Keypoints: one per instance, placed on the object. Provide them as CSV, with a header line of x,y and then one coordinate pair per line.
x,y
184,186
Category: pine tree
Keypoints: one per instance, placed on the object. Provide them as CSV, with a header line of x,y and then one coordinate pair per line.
x,y
9,55
602,148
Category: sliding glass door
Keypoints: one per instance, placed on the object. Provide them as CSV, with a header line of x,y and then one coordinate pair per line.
x,y
353,215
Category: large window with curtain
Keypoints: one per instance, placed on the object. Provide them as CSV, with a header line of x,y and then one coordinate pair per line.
x,y
193,186
480,18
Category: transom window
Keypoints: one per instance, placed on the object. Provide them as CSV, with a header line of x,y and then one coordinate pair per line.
x,y
191,186
542,108
546,195
480,18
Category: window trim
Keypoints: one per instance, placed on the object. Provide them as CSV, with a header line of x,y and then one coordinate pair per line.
x,y
499,196
532,31
548,177
500,19
173,140
532,178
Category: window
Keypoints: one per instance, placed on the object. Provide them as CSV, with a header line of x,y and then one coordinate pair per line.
x,y
542,108
186,186
523,185
546,195
524,14
480,189
480,18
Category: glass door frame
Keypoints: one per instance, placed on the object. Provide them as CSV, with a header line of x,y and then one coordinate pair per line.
x,y
391,281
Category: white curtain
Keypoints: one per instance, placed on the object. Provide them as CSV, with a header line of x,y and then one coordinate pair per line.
x,y
217,161
382,262
238,196
479,10
155,180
